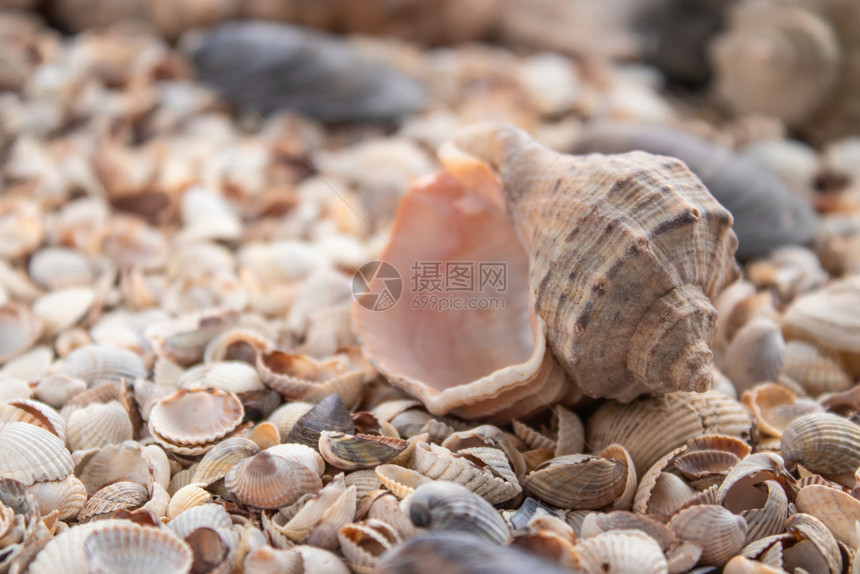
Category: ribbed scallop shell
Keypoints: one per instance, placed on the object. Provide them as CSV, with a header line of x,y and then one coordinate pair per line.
x,y
98,364
622,551
129,548
817,370
196,416
66,496
231,376
97,425
31,454
206,515
719,533
267,480
627,249
267,560
827,316
117,496
651,427
399,480
449,507
222,457
823,443
838,510
187,497
439,463
755,354
35,413
578,481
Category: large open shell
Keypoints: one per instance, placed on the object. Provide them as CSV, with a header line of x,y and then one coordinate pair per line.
x,y
194,417
498,365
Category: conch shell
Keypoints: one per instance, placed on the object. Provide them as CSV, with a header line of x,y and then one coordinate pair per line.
x,y
623,255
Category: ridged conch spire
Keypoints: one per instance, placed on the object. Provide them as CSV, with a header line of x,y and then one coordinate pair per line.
x,y
625,252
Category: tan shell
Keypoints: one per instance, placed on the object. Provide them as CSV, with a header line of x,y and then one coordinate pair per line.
x,y
195,417
220,459
357,452
188,497
823,443
97,425
439,463
446,506
362,543
34,413
20,328
781,61
315,519
719,533
131,548
399,480
67,496
480,155
231,376
621,551
774,407
827,316
817,370
32,454
267,480
98,364
184,339
838,510
267,560
650,427
298,377
209,515
579,481
113,497
755,354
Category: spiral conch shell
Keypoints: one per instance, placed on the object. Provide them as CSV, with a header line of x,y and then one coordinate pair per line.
x,y
622,255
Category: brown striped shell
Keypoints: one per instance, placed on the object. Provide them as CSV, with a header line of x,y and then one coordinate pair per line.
x,y
623,253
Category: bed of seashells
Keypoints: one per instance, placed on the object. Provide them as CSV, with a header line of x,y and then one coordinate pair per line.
x,y
182,389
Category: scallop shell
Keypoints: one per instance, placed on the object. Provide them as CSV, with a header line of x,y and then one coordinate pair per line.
x,y
578,481
97,425
34,413
220,459
195,417
31,454
839,511
66,496
755,354
208,515
827,317
766,213
817,370
774,407
188,497
183,340
719,533
130,548
823,443
98,364
231,376
357,452
266,560
261,481
440,464
449,507
117,496
621,551
20,328
651,427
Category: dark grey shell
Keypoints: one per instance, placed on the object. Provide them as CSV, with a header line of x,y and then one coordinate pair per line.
x,y
267,66
766,214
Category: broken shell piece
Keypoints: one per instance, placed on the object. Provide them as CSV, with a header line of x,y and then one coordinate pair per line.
x,y
774,407
315,519
267,480
298,377
360,451
823,443
399,480
206,215
362,543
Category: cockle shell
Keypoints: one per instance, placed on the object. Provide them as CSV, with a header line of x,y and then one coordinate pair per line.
x,y
31,454
616,249
446,506
267,480
130,548
716,530
822,442
621,551
827,316
194,418
20,328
